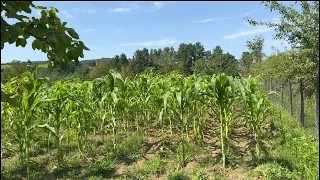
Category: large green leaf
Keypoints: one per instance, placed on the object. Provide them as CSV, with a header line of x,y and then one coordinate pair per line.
x,y
72,33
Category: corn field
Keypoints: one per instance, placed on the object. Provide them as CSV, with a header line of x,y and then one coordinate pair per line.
x,y
64,111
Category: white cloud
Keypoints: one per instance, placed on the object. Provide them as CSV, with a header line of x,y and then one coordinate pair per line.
x,y
133,7
89,30
66,14
163,42
247,33
80,10
128,8
158,4
212,19
250,12
276,20
119,10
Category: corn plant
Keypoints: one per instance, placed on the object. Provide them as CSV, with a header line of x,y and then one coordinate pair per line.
x,y
162,113
28,100
79,114
256,108
182,96
222,89
58,113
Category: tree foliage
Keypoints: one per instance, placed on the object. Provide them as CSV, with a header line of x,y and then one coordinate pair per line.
x,y
299,27
61,43
256,47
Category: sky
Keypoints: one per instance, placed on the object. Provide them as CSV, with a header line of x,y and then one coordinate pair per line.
x,y
112,28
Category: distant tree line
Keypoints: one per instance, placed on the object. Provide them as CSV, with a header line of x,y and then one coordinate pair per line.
x,y
187,59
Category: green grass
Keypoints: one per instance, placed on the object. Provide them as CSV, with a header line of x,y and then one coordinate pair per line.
x,y
102,169
130,148
178,175
294,152
5,66
154,166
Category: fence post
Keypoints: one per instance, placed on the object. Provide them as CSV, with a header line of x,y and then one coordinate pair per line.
x,y
317,106
290,101
301,103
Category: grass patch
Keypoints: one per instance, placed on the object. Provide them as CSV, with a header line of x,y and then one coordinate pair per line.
x,y
154,166
293,150
179,174
130,148
273,170
104,169
199,174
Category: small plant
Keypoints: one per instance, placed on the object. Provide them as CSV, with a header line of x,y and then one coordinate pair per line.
x,y
199,175
154,166
190,149
274,171
178,175
105,168
130,147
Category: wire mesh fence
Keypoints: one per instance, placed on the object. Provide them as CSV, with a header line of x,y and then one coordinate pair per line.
x,y
289,100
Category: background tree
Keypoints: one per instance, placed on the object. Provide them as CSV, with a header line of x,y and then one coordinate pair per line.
x,y
200,67
214,61
115,62
222,63
301,29
168,62
82,71
199,51
188,54
141,61
15,70
101,69
246,61
123,60
256,46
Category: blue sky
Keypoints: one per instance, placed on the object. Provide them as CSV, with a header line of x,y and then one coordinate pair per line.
x,y
111,28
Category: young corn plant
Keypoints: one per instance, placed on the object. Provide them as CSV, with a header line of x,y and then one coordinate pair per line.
x,y
57,110
29,99
79,114
112,103
256,108
182,97
162,113
198,120
222,90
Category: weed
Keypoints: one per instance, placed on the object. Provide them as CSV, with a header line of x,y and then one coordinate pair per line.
x,y
105,168
178,175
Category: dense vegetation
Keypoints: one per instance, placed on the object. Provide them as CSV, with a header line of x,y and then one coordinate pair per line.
x,y
163,113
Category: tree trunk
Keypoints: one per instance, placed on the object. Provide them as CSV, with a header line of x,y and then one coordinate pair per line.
x,y
301,104
317,107
290,101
